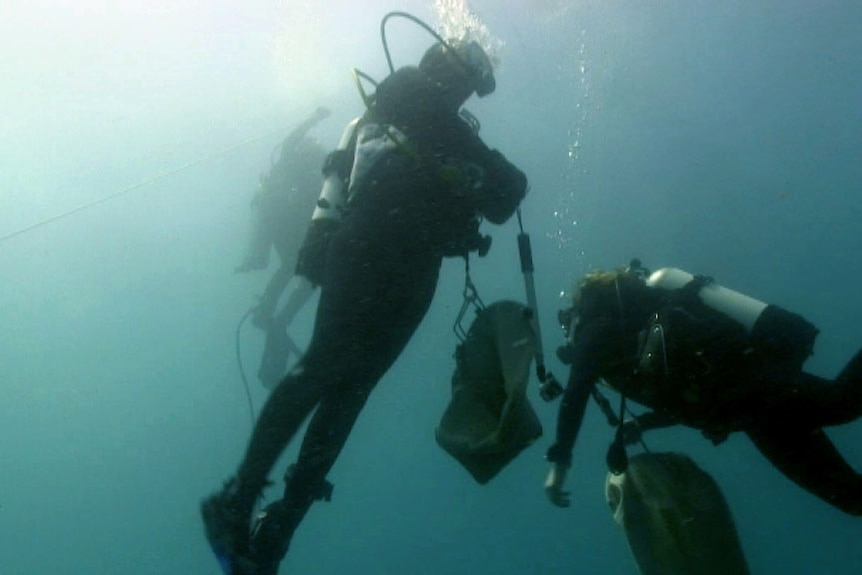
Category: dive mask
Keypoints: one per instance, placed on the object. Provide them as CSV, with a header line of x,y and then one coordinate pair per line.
x,y
478,66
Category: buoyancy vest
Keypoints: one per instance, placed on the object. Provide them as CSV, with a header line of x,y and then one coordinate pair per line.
x,y
705,343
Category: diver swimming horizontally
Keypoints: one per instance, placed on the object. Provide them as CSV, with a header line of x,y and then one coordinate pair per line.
x,y
701,355
410,154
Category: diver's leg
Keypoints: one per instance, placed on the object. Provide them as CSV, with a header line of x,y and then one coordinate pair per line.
x,y
305,481
260,235
809,459
227,514
850,383
296,300
852,372
279,345
812,402
363,363
839,401
263,314
349,332
276,350
386,305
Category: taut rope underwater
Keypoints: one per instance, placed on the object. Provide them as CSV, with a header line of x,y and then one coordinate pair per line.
x,y
134,187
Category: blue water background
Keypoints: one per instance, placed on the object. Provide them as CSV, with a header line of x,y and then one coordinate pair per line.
x,y
720,137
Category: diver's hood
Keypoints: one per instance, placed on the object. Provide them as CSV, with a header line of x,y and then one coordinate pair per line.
x,y
457,58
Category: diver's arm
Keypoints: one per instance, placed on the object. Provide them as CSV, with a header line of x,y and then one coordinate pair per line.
x,y
503,188
592,346
571,414
298,133
590,349
502,185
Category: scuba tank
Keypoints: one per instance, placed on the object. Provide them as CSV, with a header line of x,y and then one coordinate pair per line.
x,y
779,335
742,308
336,171
739,312
326,218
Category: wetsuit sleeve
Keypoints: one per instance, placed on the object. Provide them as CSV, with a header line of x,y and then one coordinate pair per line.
x,y
292,141
593,347
503,188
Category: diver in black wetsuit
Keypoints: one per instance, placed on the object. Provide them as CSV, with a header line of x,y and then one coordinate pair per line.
x,y
700,355
421,180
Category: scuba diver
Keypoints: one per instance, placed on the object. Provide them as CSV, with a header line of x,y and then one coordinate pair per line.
x,y
418,180
280,213
701,355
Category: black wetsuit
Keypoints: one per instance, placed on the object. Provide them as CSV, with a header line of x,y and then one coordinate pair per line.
x,y
406,213
782,410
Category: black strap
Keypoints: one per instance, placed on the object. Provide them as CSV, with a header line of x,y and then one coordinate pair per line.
x,y
605,406
689,292
617,458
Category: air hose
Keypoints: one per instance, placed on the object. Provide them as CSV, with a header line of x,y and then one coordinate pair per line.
x,y
240,365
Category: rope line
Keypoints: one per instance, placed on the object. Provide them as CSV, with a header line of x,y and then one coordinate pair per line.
x,y
137,186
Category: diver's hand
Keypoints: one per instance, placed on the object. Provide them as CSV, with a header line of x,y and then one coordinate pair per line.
x,y
322,113
554,485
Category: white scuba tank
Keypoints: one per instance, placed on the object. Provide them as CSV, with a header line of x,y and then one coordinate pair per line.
x,y
742,308
333,195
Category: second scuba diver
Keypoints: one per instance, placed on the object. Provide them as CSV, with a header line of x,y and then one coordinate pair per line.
x,y
281,208
707,357
420,180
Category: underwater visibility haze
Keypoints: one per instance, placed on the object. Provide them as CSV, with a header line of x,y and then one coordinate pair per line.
x,y
723,138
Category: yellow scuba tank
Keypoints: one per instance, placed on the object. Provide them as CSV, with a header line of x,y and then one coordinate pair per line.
x,y
742,308
333,194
